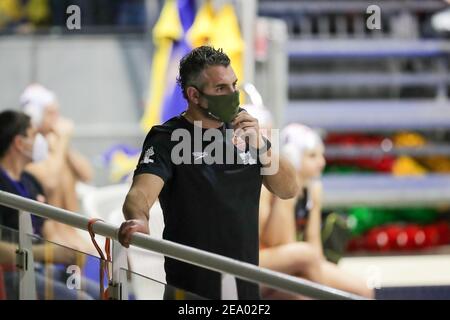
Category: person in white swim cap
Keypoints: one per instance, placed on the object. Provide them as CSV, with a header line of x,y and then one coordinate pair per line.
x,y
281,220
304,147
62,167
41,105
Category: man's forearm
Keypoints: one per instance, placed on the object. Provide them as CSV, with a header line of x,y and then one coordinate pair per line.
x,y
143,193
284,182
136,206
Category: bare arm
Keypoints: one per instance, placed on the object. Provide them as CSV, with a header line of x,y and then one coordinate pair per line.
x,y
48,172
280,227
264,208
312,232
280,177
283,182
143,193
80,166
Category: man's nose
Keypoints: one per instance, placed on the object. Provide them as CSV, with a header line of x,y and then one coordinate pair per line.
x,y
233,89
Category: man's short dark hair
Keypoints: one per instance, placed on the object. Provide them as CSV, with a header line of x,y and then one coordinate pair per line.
x,y
192,64
12,123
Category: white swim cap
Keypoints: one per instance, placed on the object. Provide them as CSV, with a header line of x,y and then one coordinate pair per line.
x,y
34,100
296,139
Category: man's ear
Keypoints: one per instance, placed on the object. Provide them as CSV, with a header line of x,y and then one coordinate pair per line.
x,y
193,95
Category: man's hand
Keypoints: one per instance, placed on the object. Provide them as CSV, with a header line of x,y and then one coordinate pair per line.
x,y
247,126
129,227
143,193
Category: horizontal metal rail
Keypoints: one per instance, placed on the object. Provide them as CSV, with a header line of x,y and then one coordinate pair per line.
x,y
180,252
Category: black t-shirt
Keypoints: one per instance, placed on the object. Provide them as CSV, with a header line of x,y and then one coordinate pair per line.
x,y
213,207
9,217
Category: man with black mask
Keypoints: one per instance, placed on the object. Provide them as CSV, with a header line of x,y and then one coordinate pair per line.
x,y
210,197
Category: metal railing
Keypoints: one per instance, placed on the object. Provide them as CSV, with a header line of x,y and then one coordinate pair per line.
x,y
215,262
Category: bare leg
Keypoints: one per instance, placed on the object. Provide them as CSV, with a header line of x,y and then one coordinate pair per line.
x,y
340,279
280,227
296,258
293,258
300,259
273,294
